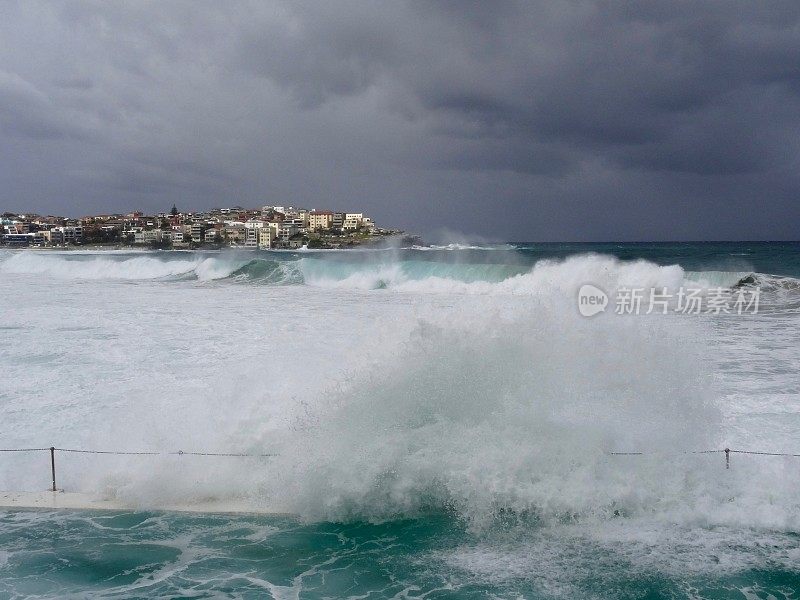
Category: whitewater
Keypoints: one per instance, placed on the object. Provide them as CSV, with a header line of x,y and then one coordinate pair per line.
x,y
441,421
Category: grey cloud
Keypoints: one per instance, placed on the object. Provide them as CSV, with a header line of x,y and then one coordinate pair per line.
x,y
27,112
417,111
77,83
644,85
318,50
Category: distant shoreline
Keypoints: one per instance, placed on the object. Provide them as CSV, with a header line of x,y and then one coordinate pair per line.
x,y
374,242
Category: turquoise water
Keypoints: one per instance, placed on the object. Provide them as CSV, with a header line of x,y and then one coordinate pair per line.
x,y
168,555
441,421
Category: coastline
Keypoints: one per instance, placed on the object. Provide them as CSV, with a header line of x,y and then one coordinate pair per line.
x,y
378,241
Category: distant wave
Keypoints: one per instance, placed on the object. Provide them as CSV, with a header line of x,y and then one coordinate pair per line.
x,y
392,271
769,283
713,279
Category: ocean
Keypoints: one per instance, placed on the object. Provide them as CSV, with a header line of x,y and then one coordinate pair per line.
x,y
427,422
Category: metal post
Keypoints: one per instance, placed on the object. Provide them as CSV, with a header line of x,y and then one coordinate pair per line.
x,y
53,465
727,458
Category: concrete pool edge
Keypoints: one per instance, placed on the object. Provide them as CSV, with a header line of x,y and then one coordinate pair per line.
x,y
60,500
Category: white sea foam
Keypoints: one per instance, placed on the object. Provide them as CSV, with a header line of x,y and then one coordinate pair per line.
x,y
493,399
544,278
65,266
564,561
358,270
123,266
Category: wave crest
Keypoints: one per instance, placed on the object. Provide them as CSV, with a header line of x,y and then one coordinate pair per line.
x,y
387,271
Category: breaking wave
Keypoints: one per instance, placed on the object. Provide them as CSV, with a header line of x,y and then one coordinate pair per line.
x,y
769,283
360,271
142,266
388,386
504,412
401,271
503,405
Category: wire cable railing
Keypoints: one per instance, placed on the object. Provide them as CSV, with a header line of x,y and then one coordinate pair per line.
x,y
52,450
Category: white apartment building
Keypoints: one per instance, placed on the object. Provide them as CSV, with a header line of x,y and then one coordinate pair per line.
x,y
251,237
286,231
295,222
148,236
265,238
273,226
197,231
56,236
234,233
352,221
73,233
302,214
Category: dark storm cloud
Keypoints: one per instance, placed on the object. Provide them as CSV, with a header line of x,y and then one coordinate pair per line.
x,y
573,120
699,88
28,113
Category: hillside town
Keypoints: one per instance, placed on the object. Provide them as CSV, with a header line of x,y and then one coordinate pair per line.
x,y
270,227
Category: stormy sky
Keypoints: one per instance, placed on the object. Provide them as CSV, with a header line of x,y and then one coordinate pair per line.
x,y
585,120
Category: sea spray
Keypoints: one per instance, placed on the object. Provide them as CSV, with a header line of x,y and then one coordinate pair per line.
x,y
484,397
467,393
493,410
